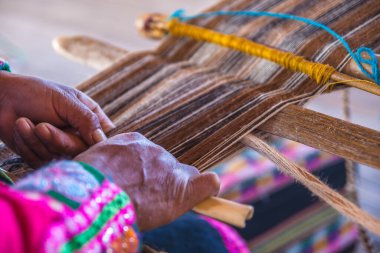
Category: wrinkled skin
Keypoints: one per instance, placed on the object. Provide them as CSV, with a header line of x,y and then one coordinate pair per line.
x,y
160,187
41,120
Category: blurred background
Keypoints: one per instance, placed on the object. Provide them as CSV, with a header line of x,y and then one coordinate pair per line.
x,y
29,26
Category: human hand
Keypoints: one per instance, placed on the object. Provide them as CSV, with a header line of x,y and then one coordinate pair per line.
x,y
42,120
160,187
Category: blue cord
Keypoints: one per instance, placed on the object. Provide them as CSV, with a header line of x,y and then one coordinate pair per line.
x,y
372,61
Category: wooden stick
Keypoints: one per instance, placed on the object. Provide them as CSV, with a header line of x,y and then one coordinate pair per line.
x,y
335,136
353,69
365,85
92,52
227,211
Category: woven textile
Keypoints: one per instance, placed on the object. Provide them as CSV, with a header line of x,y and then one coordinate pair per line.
x,y
317,229
197,99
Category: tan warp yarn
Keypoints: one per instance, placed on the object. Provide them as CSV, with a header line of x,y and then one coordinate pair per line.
x,y
316,186
351,167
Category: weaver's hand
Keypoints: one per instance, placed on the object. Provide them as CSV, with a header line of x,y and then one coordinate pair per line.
x,y
160,187
41,120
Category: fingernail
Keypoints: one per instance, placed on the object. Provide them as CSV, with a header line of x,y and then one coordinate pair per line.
x,y
45,133
98,136
24,127
109,127
112,125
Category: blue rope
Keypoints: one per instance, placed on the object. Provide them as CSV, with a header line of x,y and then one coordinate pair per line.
x,y
358,58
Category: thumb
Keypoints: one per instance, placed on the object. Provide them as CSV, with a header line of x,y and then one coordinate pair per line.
x,y
104,121
59,141
202,186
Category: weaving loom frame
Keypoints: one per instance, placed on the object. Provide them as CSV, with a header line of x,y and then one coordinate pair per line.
x,y
284,121
307,127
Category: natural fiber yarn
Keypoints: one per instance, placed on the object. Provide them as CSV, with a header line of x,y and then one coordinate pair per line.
x,y
350,188
316,186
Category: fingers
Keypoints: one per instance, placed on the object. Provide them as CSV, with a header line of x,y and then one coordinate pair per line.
x,y
26,142
201,187
104,121
80,117
44,142
58,141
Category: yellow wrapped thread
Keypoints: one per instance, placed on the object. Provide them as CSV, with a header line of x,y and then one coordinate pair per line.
x,y
321,73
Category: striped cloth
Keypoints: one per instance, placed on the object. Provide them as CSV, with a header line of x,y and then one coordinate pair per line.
x,y
317,229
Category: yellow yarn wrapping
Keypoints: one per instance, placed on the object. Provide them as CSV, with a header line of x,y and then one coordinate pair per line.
x,y
321,73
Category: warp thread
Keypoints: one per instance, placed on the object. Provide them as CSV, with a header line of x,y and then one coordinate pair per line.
x,y
315,185
359,57
351,169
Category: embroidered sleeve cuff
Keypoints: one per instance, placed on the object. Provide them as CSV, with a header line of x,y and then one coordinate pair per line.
x,y
98,216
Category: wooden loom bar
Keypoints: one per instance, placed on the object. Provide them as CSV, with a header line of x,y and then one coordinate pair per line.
x,y
339,137
356,83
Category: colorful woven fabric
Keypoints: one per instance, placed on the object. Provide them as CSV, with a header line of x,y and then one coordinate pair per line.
x,y
317,229
192,233
231,238
89,213
334,237
279,206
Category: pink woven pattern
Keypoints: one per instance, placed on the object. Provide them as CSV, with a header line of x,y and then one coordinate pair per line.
x,y
233,242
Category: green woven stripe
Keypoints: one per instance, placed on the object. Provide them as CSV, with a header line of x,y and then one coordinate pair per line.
x,y
109,211
300,228
61,198
98,175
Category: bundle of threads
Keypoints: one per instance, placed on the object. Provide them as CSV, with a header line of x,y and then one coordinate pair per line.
x,y
157,26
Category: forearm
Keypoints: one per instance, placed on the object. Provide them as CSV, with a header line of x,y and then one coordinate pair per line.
x,y
4,77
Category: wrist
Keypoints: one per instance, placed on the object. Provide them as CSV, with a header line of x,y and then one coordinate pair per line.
x,y
5,79
94,162
4,71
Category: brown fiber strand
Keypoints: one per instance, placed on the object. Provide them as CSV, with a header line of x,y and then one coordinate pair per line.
x,y
351,190
316,186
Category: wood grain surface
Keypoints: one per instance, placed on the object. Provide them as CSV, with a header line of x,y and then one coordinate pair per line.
x,y
326,133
